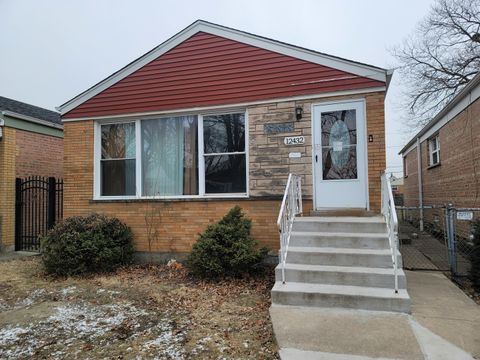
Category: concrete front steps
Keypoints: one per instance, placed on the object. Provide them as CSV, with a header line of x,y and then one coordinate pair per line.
x,y
342,262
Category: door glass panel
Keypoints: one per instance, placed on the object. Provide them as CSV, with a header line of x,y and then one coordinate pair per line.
x,y
339,145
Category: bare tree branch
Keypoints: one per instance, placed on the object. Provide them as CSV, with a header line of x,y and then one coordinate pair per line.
x,y
440,57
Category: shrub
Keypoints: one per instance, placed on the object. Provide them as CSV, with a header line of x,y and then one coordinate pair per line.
x,y
226,248
87,244
475,257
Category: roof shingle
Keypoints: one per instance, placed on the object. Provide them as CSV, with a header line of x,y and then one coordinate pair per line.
x,y
19,107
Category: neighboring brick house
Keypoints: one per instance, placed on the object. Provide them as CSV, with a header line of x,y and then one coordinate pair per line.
x,y
449,155
215,117
31,143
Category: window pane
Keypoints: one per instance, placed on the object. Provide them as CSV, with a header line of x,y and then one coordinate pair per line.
x,y
339,126
118,141
118,177
169,156
225,174
224,133
341,164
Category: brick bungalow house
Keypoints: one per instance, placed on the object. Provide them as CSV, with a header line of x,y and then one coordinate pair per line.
x,y
221,102
31,144
441,163
215,117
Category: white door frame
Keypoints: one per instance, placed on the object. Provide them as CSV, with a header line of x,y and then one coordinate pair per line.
x,y
334,102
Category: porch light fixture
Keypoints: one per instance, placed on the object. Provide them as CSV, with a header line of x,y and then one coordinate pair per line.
x,y
298,112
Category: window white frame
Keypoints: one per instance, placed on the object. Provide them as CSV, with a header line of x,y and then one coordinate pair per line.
x,y
138,164
434,149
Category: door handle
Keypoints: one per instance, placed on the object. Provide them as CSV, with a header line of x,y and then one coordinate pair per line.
x,y
316,158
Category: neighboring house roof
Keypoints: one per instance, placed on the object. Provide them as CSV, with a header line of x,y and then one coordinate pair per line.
x,y
460,102
23,111
205,29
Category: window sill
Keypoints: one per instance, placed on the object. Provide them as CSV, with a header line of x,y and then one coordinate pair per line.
x,y
434,165
169,199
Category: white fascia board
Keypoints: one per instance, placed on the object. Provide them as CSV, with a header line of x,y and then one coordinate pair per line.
x,y
232,34
31,119
232,107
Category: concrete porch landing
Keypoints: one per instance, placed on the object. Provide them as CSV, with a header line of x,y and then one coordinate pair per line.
x,y
444,324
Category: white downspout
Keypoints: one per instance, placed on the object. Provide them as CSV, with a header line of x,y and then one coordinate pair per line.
x,y
420,181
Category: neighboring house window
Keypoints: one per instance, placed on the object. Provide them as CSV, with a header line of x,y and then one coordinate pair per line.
x,y
405,167
117,164
224,152
177,156
434,150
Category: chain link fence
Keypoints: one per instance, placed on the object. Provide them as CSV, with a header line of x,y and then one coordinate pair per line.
x,y
437,238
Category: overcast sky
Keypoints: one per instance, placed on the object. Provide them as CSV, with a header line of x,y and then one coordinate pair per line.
x,y
53,50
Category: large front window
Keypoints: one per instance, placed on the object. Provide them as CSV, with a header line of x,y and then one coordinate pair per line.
x,y
166,157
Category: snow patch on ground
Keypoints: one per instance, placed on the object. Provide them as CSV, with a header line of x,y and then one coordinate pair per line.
x,y
68,291
81,320
30,299
169,344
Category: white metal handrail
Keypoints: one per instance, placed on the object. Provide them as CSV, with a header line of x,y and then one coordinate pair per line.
x,y
390,214
291,207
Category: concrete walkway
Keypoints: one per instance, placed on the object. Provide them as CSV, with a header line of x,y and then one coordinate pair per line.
x,y
444,324
11,255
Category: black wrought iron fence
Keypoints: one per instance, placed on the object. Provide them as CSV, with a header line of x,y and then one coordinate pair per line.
x,y
38,206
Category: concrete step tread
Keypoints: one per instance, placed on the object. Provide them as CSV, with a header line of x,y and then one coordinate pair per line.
x,y
337,250
342,219
345,290
340,234
343,269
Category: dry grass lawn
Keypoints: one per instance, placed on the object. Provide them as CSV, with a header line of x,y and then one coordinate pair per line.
x,y
156,312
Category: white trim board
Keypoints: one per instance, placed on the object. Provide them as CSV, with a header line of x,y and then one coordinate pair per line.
x,y
241,106
349,66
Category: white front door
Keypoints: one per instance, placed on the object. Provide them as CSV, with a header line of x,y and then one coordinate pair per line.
x,y
339,155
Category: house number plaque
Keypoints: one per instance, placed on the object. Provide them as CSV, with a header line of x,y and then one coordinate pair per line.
x,y
464,215
294,140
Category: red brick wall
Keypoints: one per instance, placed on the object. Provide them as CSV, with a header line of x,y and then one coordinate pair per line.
x,y
411,179
457,179
38,154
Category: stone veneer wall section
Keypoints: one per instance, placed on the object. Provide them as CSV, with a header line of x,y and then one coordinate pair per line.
x,y
180,221
269,161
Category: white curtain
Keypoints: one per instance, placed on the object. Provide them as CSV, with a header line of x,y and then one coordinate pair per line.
x,y
163,156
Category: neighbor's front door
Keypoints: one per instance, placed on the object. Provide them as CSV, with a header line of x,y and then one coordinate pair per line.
x,y
339,155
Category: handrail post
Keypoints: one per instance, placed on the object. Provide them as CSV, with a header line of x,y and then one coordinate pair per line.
x,y
390,215
290,207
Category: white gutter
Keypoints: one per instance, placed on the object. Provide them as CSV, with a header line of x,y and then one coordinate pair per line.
x,y
31,119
